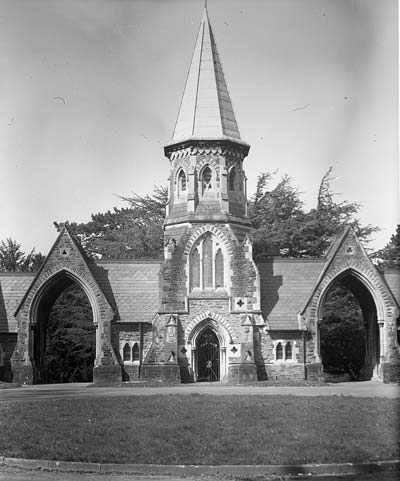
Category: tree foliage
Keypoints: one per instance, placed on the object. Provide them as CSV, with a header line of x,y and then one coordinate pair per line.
x,y
13,259
131,232
70,338
389,256
279,220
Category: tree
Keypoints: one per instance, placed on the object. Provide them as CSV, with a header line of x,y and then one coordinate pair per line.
x,y
279,219
128,233
13,259
389,256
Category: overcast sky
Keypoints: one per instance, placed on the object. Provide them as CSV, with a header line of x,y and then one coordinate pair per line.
x,y
90,91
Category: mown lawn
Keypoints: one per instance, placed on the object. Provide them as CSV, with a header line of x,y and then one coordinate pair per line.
x,y
203,429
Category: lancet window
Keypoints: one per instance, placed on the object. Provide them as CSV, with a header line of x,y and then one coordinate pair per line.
x,y
130,353
207,264
283,351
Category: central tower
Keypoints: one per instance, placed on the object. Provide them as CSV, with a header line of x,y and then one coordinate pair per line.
x,y
210,292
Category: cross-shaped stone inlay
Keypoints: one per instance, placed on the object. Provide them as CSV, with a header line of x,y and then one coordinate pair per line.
x,y
240,303
234,350
183,350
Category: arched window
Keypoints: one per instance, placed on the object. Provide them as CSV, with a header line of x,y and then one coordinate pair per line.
x,y
207,264
206,179
195,269
126,352
232,179
219,269
181,182
288,351
135,352
279,351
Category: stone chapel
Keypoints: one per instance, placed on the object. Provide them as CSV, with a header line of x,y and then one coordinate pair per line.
x,y
207,312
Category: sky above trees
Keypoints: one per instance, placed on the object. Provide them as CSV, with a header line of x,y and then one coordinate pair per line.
x,y
91,90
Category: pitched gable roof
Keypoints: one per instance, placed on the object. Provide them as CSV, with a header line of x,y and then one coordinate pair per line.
x,y
65,254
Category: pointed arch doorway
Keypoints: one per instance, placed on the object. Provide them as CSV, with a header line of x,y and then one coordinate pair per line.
x,y
208,356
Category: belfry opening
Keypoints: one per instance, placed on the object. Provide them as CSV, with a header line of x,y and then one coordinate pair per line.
x,y
63,333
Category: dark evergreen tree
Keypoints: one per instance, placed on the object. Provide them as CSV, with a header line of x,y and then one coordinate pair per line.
x,y
13,259
279,220
70,338
128,233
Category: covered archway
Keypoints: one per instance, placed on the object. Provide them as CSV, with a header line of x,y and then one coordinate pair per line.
x,y
63,340
348,330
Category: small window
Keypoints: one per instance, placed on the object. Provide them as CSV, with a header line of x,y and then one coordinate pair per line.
x,y
279,351
232,179
135,352
126,353
288,351
181,182
206,179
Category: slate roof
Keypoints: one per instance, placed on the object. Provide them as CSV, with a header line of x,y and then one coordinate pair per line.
x,y
206,109
13,287
392,278
131,287
282,301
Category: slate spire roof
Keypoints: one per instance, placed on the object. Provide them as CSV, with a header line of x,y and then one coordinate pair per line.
x,y
206,109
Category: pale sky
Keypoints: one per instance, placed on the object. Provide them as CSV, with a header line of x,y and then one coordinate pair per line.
x,y
90,91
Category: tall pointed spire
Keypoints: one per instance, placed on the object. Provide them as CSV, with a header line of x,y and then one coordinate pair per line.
x,y
206,109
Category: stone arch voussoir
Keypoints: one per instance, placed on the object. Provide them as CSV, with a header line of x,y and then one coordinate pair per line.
x,y
366,276
214,230
191,327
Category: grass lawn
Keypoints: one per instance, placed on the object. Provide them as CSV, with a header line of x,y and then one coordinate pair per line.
x,y
203,429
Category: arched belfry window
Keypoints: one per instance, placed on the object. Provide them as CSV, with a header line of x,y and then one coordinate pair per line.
x,y
182,183
232,179
207,264
206,180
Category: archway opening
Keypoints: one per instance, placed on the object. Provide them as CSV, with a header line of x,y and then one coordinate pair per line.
x,y
208,356
349,335
64,338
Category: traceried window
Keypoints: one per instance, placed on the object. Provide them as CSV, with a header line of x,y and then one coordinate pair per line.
x,y
232,179
207,264
206,180
181,183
